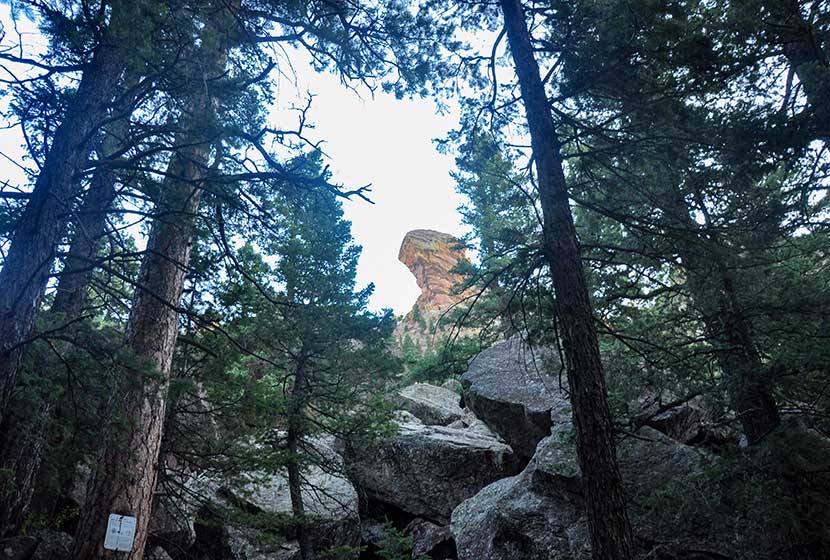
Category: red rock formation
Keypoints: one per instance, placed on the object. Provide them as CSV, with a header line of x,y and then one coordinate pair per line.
x,y
431,256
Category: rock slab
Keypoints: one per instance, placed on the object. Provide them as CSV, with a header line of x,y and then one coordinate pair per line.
x,y
681,502
516,392
431,404
427,471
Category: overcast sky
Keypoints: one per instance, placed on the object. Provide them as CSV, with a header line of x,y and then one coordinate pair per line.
x,y
378,140
389,143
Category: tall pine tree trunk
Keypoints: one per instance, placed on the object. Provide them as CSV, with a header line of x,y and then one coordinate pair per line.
x,y
125,478
608,522
23,438
296,422
31,254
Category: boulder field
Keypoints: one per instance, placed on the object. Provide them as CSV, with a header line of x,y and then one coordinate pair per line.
x,y
498,479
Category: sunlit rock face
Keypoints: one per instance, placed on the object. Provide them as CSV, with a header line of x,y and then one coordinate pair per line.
x,y
431,256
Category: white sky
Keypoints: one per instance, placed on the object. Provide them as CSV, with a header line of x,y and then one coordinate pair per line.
x,y
388,143
378,140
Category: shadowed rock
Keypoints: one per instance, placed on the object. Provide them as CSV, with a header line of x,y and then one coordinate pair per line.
x,y
517,393
428,470
431,404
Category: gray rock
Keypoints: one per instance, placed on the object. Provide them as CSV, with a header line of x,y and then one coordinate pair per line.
x,y
52,545
682,503
539,514
328,496
429,539
428,470
371,532
524,516
685,422
516,392
171,527
470,423
247,545
17,548
157,553
433,405
453,385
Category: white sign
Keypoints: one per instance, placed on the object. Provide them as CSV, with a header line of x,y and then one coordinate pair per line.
x,y
120,533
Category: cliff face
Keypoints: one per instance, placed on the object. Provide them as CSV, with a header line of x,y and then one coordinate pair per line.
x,y
431,256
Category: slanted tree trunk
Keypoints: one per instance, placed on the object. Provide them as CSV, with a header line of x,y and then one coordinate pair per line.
x,y
31,254
23,440
73,283
751,395
296,424
608,522
125,478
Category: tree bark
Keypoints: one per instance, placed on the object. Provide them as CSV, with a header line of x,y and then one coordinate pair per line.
x,y
31,254
608,522
90,227
126,474
23,440
296,423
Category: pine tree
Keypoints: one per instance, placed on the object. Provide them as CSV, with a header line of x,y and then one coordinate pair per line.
x,y
610,529
38,231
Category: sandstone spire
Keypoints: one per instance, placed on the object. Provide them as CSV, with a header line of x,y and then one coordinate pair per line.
x,y
431,256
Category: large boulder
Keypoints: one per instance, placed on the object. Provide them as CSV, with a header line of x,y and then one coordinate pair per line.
x,y
431,404
534,516
17,548
517,392
330,502
329,499
430,540
427,471
683,505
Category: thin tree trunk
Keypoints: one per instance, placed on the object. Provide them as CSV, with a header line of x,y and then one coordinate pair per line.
x,y
608,522
296,422
752,398
126,474
728,329
24,439
22,442
29,261
73,282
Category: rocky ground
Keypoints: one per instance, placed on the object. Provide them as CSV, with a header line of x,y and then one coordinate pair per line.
x,y
492,475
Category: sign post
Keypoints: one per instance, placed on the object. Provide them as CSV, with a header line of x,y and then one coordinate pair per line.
x,y
120,533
